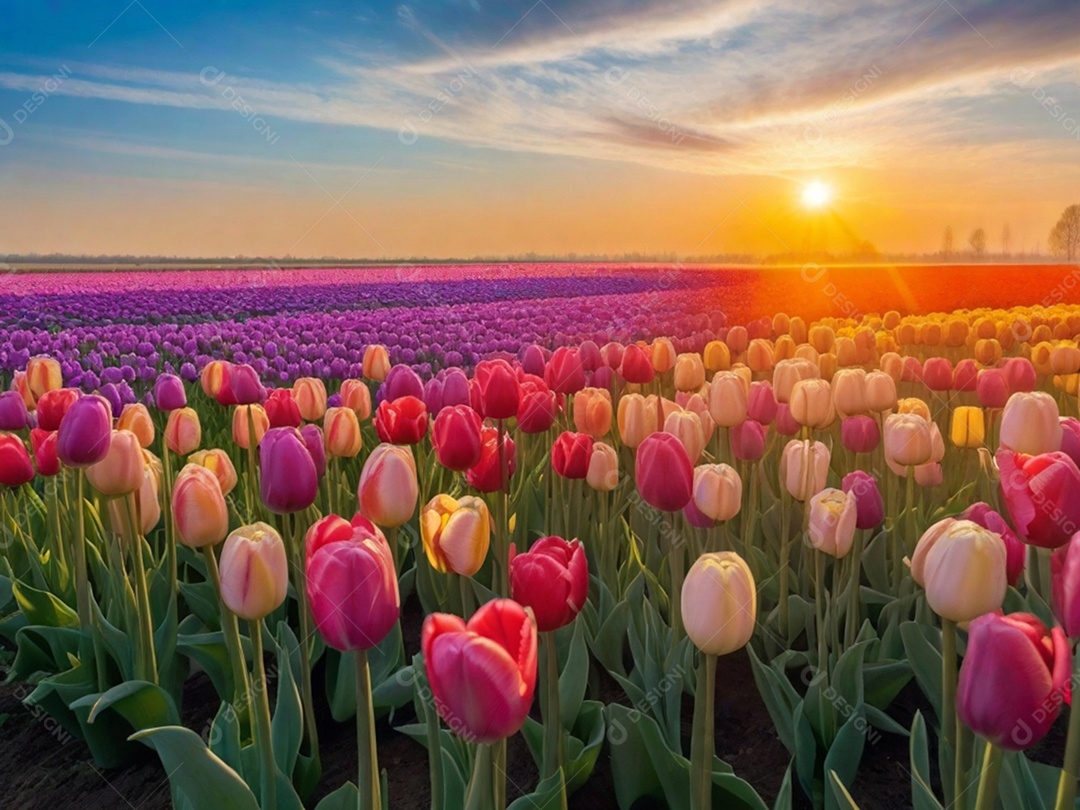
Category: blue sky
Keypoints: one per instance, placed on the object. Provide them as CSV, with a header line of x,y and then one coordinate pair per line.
x,y
469,126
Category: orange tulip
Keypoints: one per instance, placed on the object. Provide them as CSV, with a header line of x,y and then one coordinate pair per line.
x,y
43,374
219,463
356,396
183,432
309,393
136,418
241,424
592,411
341,431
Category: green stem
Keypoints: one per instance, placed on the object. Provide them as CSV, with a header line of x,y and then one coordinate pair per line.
x,y
170,541
252,488
819,610
307,633
948,705
268,775
785,556
988,780
480,782
466,596
900,543
499,774
148,656
851,628
82,584
1066,796
367,757
702,743
553,759
231,631
675,568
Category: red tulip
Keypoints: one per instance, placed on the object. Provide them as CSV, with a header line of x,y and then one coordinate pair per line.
x,y
965,375
54,404
1014,678
486,476
537,407
401,421
482,674
1015,550
1065,585
85,432
44,444
571,453
240,386
636,366
565,373
1042,494
15,466
288,478
456,437
352,586
665,477
497,384
281,409
552,578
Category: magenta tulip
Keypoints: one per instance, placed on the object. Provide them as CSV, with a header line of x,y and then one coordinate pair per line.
x,y
552,578
289,479
85,432
1042,494
869,505
664,475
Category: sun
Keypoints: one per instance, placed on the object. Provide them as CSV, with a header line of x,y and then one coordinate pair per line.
x,y
817,194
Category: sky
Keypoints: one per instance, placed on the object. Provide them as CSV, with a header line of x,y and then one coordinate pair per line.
x,y
475,127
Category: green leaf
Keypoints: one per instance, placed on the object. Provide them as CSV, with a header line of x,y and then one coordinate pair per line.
x,y
784,797
546,796
882,682
224,737
344,798
109,718
922,645
843,757
574,678
840,796
922,794
41,607
208,650
287,725
200,776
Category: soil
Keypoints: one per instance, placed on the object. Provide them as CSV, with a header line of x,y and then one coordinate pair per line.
x,y
42,768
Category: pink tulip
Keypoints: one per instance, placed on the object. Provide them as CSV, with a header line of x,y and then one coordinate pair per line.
x,y
1065,585
351,582
869,504
664,474
748,441
388,489
860,434
552,578
761,402
1042,494
482,674
288,477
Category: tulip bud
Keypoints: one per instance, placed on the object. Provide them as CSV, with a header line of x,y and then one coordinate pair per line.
x,y
719,603
761,402
689,372
341,430
717,491
804,468
199,510
968,428
716,356
537,407
636,366
376,362
499,389
1065,585
219,463
849,392
356,396
552,579
352,585
136,418
686,427
487,475
169,393
1042,494
402,381
833,518
908,439
288,477
241,386
15,466
728,399
962,567
860,434
1014,679
603,472
869,506
42,375
254,571
147,508
637,420
811,404
282,409
788,372
401,421
456,533
748,441
43,443
244,416
183,432
1015,550
663,472
592,411
1031,423
84,432
121,471
388,488
570,454
13,412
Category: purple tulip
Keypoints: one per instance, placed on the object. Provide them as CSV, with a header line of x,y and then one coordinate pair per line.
x,y
169,393
869,506
85,432
289,477
13,413
402,381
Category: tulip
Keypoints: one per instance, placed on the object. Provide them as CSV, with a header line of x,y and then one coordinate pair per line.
x,y
388,489
804,468
728,399
565,372
636,366
352,585
20,386
1014,679
85,432
785,423
719,603
869,506
341,430
961,566
198,507
43,443
551,578
241,386
1042,495
455,387
603,472
592,412
1070,438
244,418
456,533
254,571
570,454
992,388
219,463
860,434
1015,550
637,420
1020,374
282,409
833,519
482,674
968,427
54,405
1031,424
611,353
929,475
759,355
487,475
717,491
376,363
908,439
788,372
811,404
136,418
15,466
498,389
121,471
183,433
937,373
13,412
913,406
537,407
401,421
169,393
748,441
686,427
356,396
147,508
761,402
716,356
533,360
663,472
689,372
849,392
402,381
212,378
965,375
43,374
880,391
737,339
433,395
288,476
663,355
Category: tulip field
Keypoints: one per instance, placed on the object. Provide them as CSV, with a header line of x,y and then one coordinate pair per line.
x,y
542,536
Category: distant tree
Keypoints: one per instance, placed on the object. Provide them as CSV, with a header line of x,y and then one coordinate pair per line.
x,y
947,242
1006,240
1064,239
977,240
